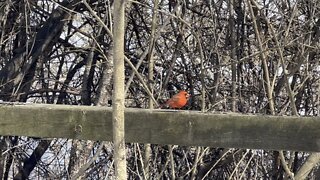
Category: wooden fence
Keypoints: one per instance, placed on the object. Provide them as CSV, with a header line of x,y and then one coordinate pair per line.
x,y
188,128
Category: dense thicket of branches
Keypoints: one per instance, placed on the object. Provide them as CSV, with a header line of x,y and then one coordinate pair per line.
x,y
245,56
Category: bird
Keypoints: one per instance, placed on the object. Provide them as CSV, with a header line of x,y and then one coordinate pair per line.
x,y
178,100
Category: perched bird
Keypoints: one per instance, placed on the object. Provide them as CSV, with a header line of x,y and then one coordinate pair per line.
x,y
179,100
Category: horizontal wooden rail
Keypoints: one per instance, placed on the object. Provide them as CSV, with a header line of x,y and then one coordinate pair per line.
x,y
186,128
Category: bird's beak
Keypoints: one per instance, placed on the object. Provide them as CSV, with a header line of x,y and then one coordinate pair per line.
x,y
188,95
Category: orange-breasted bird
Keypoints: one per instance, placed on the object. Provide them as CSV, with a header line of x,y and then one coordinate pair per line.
x,y
178,100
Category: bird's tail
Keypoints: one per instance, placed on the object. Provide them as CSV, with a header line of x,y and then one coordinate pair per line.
x,y
163,105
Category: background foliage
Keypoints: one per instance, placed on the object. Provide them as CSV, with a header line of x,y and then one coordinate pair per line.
x,y
240,56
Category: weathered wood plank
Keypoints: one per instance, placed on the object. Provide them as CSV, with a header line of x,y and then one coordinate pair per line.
x,y
163,127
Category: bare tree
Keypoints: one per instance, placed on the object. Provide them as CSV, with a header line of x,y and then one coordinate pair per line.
x,y
245,56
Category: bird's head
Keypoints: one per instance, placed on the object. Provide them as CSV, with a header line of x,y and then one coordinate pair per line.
x,y
184,93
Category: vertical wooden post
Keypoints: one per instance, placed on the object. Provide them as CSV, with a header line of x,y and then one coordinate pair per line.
x,y
118,91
